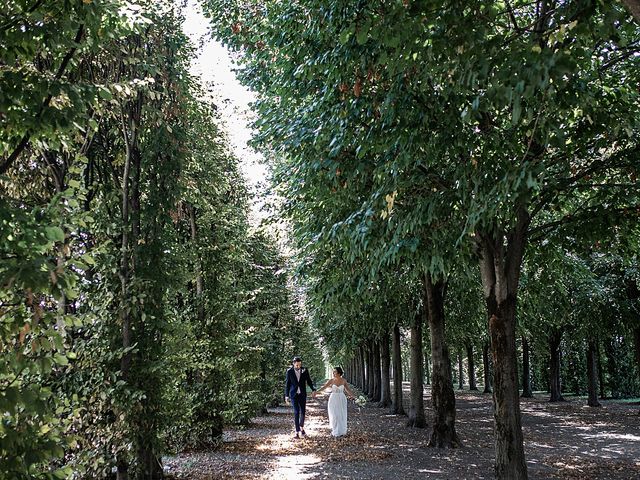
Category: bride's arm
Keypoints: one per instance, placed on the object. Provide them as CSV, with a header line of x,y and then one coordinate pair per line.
x,y
348,390
329,382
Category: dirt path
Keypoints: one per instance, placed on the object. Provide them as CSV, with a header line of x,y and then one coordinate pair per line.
x,y
568,441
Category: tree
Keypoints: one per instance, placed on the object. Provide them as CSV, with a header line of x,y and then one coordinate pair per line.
x,y
127,265
504,121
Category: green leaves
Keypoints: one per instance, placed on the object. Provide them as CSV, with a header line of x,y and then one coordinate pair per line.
x,y
516,111
55,234
363,32
466,120
346,34
68,410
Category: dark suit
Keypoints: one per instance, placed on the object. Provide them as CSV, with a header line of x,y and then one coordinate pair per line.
x,y
298,400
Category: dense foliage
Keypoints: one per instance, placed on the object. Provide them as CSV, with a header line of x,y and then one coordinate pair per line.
x,y
140,309
412,140
474,161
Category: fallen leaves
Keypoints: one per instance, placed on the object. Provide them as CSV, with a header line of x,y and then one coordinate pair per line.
x,y
561,441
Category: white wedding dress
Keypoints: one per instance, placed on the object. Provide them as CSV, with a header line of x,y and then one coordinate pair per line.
x,y
337,409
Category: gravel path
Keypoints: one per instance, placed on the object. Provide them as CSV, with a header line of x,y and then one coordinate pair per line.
x,y
567,440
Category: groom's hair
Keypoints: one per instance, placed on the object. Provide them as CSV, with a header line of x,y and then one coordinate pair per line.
x,y
296,359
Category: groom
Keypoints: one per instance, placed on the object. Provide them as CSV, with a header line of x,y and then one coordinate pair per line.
x,y
295,391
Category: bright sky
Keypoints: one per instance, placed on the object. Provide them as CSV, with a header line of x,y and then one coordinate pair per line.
x,y
215,67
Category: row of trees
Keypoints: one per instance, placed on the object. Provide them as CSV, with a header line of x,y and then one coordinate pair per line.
x,y
451,159
579,318
140,311
591,331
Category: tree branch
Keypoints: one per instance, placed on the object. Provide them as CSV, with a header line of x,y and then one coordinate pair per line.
x,y
512,17
586,214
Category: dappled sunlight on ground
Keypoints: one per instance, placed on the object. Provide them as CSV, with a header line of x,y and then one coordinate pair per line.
x,y
626,437
294,467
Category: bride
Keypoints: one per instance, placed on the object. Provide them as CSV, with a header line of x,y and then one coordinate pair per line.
x,y
337,407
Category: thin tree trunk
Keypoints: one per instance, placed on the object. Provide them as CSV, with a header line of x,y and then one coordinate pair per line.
x,y
460,371
366,369
443,434
471,367
526,369
554,366
357,373
353,373
125,319
377,373
397,408
500,267
600,373
486,367
363,369
636,347
150,463
592,374
417,417
370,371
385,390
427,370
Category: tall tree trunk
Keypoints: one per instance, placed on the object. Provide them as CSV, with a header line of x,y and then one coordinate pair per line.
x,y
471,367
600,373
417,417
460,371
554,366
636,348
443,434
427,370
397,407
371,374
592,373
124,273
149,464
526,369
363,369
486,367
357,374
377,374
366,369
500,267
352,371
385,390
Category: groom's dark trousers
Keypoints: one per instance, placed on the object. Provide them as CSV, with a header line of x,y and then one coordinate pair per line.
x,y
299,402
